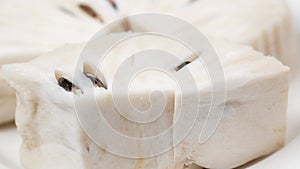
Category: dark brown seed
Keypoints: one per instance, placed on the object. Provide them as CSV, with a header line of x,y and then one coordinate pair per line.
x,y
95,80
113,4
187,61
87,9
66,84
182,65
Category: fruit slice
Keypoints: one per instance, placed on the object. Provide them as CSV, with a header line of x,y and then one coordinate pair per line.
x,y
54,23
265,25
28,29
253,123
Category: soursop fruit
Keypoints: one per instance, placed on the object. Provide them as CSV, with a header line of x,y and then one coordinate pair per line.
x,y
54,23
29,30
253,123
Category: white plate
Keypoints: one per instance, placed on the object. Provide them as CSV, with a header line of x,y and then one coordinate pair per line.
x,y
9,146
287,158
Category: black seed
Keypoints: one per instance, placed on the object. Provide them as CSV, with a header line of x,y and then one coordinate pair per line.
x,y
66,84
187,61
182,65
95,80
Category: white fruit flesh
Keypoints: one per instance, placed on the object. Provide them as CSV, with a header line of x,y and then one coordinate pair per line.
x,y
28,29
54,23
265,25
253,123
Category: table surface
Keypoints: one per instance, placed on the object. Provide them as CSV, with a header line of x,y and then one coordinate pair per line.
x,y
288,157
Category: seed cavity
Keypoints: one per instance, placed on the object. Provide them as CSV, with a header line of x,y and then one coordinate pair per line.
x,y
96,77
66,83
113,4
182,65
88,10
126,25
187,61
95,80
67,11
123,26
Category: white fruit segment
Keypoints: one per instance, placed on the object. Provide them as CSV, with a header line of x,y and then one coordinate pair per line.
x,y
29,30
253,123
265,25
